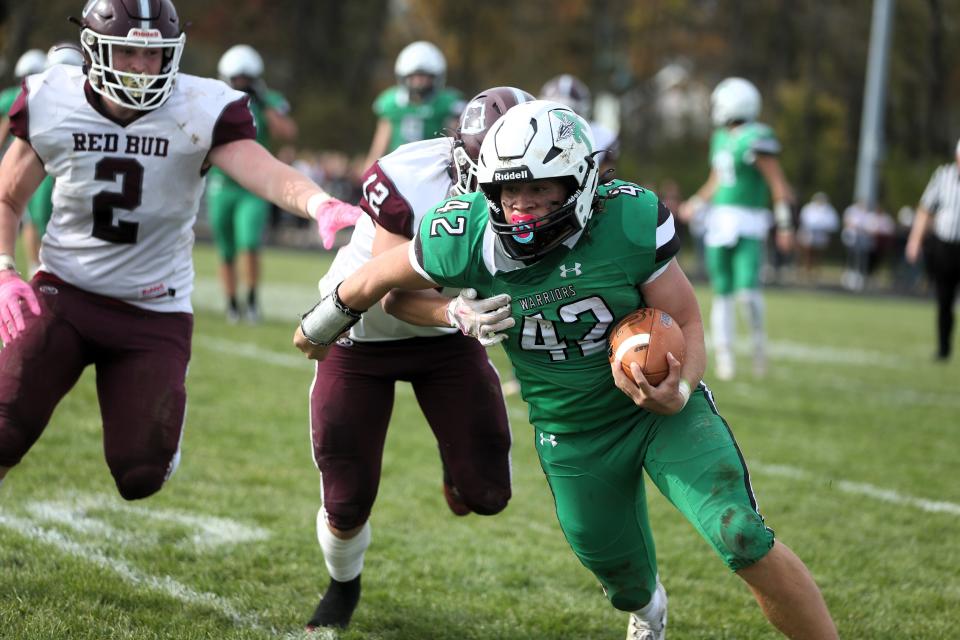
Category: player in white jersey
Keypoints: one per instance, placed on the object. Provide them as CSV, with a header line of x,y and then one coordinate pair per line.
x,y
351,398
128,140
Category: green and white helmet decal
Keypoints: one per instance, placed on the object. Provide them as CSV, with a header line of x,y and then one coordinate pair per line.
x,y
534,141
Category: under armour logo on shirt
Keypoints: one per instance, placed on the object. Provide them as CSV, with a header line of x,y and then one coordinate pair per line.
x,y
575,270
545,439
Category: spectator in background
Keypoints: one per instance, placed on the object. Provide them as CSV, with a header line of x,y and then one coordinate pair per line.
x,y
238,217
867,233
818,221
936,231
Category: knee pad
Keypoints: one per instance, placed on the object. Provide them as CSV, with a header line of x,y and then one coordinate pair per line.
x,y
743,537
490,502
143,480
140,482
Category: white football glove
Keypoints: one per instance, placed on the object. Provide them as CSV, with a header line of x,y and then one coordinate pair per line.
x,y
481,318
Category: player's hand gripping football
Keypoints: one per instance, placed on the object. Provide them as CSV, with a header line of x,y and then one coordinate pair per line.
x,y
481,318
664,398
13,293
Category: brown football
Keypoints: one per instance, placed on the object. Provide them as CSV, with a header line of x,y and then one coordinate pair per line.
x,y
645,336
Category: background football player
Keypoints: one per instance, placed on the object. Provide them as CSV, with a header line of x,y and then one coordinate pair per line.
x,y
237,217
351,398
419,106
116,270
574,93
745,176
40,207
575,257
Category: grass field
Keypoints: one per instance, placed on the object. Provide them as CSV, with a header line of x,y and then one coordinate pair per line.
x,y
853,442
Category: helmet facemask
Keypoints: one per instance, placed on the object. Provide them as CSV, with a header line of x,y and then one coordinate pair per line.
x,y
534,141
138,91
529,240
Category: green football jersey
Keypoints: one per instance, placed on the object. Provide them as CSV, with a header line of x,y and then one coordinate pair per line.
x,y
733,155
7,97
412,122
271,100
565,304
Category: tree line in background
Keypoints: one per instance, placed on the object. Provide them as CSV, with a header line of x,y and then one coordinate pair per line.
x,y
808,58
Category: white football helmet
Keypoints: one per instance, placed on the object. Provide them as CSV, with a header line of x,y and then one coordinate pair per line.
x,y
65,53
32,61
151,24
536,140
240,60
569,90
734,100
421,57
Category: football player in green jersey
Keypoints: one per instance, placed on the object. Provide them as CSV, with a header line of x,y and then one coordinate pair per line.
x,y
237,216
575,257
745,178
419,106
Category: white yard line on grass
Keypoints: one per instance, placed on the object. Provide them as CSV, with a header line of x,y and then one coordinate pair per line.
x,y
162,584
861,489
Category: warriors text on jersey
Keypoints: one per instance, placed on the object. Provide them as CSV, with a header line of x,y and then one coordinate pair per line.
x,y
412,121
397,191
565,304
126,194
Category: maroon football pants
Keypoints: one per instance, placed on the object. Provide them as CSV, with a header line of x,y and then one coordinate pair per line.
x,y
140,358
458,390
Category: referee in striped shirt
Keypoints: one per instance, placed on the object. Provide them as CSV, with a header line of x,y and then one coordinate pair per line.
x,y
939,213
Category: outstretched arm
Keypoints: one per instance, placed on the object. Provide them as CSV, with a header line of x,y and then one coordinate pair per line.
x,y
257,171
339,310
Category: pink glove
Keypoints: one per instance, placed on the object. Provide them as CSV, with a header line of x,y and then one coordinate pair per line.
x,y
333,215
13,292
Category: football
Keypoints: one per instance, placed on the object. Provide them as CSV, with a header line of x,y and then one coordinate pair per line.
x,y
645,336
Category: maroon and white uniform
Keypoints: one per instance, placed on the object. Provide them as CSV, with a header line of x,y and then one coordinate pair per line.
x,y
397,191
126,197
117,272
457,387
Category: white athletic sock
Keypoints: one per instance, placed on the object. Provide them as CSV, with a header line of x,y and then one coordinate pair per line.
x,y
722,322
344,558
753,301
653,612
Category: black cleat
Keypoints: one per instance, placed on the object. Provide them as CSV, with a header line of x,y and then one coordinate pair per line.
x,y
337,605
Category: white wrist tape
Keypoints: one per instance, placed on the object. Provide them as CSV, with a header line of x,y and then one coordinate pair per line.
x,y
7,262
314,202
782,215
329,318
684,388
